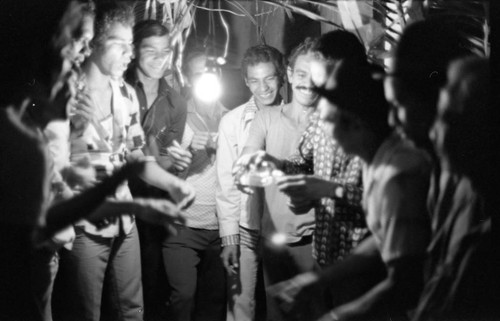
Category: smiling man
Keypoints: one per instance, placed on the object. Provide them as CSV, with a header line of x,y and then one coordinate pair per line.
x,y
106,130
162,117
278,131
395,182
239,214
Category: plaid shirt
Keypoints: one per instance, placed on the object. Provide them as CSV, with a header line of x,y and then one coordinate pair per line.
x,y
340,223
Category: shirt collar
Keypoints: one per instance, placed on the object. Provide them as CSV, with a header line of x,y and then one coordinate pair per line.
x,y
219,108
384,151
252,105
163,87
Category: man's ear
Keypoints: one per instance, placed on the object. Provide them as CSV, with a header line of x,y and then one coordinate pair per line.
x,y
246,82
289,73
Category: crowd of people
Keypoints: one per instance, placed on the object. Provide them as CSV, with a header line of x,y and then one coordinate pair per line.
x,y
122,198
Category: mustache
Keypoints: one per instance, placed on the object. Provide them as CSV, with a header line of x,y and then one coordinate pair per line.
x,y
304,87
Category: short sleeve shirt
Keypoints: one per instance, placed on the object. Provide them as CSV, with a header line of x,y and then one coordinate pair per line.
x,y
277,134
106,143
396,183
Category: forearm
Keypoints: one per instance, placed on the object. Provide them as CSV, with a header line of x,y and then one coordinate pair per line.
x,y
111,208
368,306
396,293
350,192
156,176
249,149
69,211
365,260
296,165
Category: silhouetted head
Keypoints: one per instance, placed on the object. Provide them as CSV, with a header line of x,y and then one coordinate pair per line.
x,y
418,71
41,44
464,131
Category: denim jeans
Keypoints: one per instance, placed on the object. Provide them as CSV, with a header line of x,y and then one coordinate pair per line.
x,y
94,261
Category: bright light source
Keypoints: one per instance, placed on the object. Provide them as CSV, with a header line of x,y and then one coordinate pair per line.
x,y
208,88
220,61
279,239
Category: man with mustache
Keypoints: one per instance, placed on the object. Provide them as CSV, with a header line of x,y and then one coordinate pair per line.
x,y
278,131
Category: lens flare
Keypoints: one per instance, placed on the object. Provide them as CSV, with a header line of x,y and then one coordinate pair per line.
x,y
208,87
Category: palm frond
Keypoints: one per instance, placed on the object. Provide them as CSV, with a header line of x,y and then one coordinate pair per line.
x,y
299,10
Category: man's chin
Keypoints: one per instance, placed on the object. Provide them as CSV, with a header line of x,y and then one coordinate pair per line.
x,y
267,102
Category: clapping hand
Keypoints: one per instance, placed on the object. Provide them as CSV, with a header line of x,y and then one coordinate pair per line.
x,y
159,211
200,141
180,156
83,110
80,175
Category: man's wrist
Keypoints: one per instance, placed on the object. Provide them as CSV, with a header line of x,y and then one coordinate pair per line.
x,y
337,191
230,240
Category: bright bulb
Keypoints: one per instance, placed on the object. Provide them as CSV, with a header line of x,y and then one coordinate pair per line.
x,y
279,239
208,87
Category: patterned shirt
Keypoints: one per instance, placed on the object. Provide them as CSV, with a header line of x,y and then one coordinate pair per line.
x,y
201,173
340,222
106,143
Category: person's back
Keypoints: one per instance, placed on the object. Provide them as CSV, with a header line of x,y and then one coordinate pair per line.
x,y
461,277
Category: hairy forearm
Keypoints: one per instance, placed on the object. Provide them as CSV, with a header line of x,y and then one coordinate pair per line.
x,y
396,293
365,259
69,211
154,175
370,304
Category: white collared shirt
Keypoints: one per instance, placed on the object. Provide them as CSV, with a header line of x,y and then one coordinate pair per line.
x,y
234,208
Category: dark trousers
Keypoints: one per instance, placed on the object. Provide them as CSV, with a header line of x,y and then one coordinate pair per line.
x,y
154,279
281,263
196,275
26,276
97,267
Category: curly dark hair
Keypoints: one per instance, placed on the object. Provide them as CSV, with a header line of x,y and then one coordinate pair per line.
x,y
303,48
107,14
264,53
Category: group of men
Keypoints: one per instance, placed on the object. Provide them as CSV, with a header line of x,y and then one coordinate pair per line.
x,y
343,234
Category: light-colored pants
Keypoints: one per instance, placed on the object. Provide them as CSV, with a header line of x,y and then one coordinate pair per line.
x,y
84,269
241,287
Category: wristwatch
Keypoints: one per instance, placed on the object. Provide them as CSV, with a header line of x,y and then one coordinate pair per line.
x,y
339,192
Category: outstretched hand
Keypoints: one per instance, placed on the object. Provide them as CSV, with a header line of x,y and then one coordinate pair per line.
x,y
182,193
159,211
305,187
251,162
296,295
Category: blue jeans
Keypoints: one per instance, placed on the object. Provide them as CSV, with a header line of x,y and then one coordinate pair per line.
x,y
95,261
